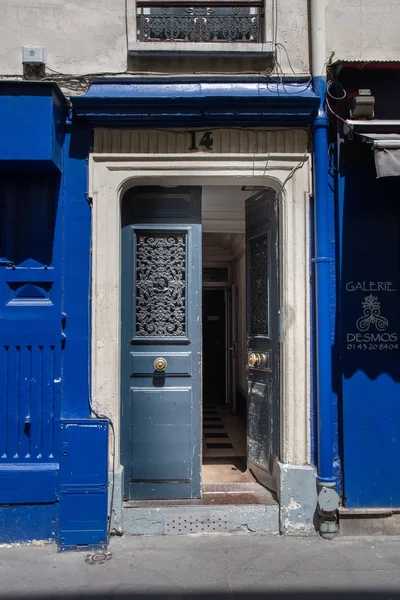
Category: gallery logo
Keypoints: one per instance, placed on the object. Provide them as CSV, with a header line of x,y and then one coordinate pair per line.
x,y
372,315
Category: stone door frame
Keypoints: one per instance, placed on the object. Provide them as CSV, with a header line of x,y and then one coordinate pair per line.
x,y
111,174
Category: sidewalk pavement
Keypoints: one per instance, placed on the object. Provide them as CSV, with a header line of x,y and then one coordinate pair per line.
x,y
208,566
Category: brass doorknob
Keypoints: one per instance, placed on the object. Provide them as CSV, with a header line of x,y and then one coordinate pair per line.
x,y
160,364
254,359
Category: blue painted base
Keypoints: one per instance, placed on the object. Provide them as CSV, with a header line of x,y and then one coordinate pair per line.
x,y
28,522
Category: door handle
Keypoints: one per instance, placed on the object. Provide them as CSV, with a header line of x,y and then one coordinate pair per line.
x,y
160,364
257,361
254,360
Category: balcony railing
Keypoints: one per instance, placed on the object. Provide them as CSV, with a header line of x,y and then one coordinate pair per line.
x,y
200,22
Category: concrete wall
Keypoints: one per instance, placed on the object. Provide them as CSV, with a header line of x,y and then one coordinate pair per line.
x,y
90,36
363,29
80,37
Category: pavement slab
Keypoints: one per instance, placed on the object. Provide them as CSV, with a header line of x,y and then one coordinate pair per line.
x,y
208,566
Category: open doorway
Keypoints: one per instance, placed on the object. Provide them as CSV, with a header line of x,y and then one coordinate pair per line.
x,y
224,377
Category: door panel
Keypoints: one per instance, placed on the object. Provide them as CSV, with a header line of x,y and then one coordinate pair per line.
x,y
161,337
31,332
179,363
164,415
262,334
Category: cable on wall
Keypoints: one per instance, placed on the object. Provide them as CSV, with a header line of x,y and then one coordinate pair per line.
x,y
93,412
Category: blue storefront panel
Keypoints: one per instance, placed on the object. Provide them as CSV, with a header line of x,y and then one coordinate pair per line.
x,y
369,300
44,324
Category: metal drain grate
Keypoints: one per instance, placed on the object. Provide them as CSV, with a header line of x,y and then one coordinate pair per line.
x,y
196,523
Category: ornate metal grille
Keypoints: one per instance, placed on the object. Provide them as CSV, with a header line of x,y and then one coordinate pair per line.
x,y
259,285
199,24
161,284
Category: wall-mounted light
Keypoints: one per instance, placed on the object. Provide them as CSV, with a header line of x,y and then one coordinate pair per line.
x,y
362,106
33,62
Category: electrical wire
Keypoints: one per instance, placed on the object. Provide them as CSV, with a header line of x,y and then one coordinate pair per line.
x,y
331,84
92,410
126,25
275,9
296,168
333,112
81,82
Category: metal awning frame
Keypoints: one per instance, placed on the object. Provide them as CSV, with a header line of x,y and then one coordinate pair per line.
x,y
382,126
382,140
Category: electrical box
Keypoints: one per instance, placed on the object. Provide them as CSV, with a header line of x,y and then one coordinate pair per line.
x,y
83,484
33,54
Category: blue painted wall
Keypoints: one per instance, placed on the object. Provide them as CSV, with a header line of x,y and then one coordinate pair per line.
x,y
76,267
34,114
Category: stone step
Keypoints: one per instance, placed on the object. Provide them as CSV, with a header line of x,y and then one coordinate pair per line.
x,y
184,519
369,521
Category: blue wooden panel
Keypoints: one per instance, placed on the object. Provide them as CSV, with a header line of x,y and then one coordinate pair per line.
x,y
84,446
26,484
178,363
196,102
31,336
83,483
25,523
77,259
83,525
370,336
31,118
30,379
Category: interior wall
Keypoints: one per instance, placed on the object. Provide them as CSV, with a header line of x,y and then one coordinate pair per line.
x,y
229,249
240,282
223,208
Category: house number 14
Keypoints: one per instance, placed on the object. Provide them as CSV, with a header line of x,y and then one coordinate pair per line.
x,y
201,140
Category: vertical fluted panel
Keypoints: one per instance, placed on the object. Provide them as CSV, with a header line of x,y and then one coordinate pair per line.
x,y
225,141
29,401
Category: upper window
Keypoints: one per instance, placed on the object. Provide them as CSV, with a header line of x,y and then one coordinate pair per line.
x,y
199,22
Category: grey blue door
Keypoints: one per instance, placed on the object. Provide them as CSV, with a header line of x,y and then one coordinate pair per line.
x,y
161,342
262,334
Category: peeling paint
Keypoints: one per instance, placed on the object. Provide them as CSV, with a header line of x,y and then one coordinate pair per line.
x,y
293,505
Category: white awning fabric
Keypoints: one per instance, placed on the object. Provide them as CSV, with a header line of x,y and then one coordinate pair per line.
x,y
386,148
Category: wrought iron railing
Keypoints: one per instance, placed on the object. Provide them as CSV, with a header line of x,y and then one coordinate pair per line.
x,y
200,21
